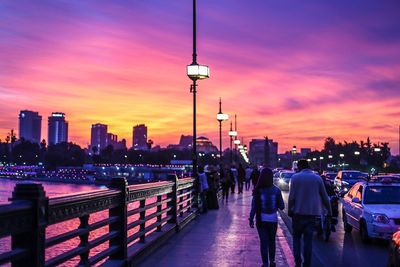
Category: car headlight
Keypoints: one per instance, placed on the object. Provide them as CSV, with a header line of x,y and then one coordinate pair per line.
x,y
380,218
281,181
345,189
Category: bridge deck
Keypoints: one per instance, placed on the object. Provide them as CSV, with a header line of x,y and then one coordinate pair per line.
x,y
220,238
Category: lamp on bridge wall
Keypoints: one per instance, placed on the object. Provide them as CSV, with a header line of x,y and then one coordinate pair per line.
x,y
195,72
220,118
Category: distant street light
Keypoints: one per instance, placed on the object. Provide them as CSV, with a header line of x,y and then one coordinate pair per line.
x,y
220,118
231,134
357,153
195,72
377,149
293,153
330,156
342,156
320,163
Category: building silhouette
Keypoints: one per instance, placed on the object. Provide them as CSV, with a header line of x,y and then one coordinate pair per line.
x,y
30,126
98,137
57,128
112,139
204,145
185,143
139,137
263,152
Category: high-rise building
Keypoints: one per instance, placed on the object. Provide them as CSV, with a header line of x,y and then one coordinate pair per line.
x,y
98,137
263,152
30,125
58,128
139,140
112,139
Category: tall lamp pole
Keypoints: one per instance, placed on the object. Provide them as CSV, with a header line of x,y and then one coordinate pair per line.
x,y
195,72
236,141
220,118
231,133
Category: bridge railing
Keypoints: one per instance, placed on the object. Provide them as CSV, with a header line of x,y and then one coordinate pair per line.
x,y
108,227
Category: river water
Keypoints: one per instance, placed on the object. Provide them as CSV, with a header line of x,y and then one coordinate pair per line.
x,y
55,189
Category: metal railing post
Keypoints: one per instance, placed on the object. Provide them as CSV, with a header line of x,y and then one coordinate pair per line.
x,y
174,200
34,240
121,225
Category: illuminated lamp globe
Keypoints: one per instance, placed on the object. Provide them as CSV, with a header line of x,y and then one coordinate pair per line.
x,y
198,72
222,116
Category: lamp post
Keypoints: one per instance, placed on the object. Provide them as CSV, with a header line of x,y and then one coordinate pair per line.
x,y
220,118
320,163
294,151
195,72
236,141
231,134
341,155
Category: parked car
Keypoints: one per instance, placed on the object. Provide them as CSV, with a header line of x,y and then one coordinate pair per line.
x,y
330,175
283,179
373,208
346,179
394,252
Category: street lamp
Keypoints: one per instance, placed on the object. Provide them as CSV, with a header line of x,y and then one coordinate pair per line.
x,y
341,155
357,153
236,141
220,118
231,134
320,163
293,152
330,156
195,72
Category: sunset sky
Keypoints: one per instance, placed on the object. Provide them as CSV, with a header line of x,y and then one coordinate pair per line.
x,y
296,71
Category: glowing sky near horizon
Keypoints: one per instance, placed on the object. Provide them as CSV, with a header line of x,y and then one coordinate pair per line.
x,y
296,71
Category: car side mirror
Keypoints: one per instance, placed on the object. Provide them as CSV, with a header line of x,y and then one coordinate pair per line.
x,y
355,200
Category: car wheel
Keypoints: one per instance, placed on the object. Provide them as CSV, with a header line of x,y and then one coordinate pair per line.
x,y
346,225
364,232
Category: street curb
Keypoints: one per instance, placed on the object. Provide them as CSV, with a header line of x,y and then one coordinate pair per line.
x,y
288,222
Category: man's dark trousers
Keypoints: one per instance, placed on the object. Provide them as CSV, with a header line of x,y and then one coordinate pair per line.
x,y
303,226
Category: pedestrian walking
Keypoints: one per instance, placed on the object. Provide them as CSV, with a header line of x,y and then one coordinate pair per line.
x,y
203,188
241,177
254,176
249,170
267,199
226,182
306,197
212,180
234,180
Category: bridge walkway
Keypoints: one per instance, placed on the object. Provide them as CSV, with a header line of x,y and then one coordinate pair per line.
x,y
221,238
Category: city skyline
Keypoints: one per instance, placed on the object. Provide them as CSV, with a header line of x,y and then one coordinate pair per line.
x,y
299,72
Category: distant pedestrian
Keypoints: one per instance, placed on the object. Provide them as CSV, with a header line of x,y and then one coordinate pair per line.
x,y
203,188
249,170
226,182
241,177
234,180
267,199
212,180
254,176
306,197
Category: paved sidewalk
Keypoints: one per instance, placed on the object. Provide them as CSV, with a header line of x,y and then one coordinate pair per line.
x,y
220,238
